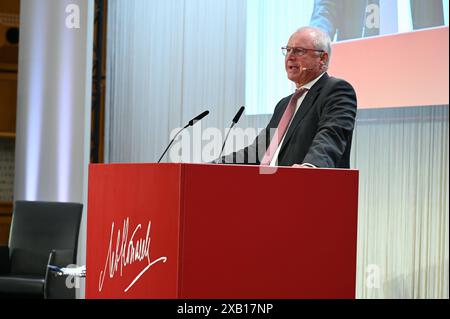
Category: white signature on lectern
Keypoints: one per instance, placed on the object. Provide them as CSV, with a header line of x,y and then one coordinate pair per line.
x,y
127,252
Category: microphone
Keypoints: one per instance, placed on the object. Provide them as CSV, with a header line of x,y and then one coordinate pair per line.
x,y
197,118
235,120
191,122
238,115
307,69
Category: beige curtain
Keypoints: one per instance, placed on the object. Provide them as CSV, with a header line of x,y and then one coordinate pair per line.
x,y
168,61
403,227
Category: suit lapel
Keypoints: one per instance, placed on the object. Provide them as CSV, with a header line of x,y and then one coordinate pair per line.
x,y
304,108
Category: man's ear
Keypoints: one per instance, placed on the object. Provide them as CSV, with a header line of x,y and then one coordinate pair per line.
x,y
324,59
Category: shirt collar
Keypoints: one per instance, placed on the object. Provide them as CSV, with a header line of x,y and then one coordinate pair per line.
x,y
311,83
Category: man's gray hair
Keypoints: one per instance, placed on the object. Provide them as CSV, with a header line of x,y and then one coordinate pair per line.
x,y
321,39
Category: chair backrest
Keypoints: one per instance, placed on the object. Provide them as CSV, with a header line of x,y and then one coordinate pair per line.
x,y
39,227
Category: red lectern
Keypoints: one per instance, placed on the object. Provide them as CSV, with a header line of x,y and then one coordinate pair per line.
x,y
220,231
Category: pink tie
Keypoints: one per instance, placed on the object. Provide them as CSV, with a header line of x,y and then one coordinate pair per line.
x,y
282,126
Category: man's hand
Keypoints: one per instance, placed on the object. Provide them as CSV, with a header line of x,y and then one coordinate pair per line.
x,y
304,165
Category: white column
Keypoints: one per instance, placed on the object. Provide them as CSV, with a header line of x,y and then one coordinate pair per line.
x,y
54,102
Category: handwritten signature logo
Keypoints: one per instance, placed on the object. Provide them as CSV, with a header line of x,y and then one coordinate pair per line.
x,y
127,252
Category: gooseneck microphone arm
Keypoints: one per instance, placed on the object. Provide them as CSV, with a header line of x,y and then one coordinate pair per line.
x,y
191,122
235,120
168,146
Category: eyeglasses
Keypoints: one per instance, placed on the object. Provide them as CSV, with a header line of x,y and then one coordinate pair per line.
x,y
297,51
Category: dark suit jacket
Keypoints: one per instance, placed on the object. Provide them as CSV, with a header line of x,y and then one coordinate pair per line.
x,y
347,17
344,17
320,133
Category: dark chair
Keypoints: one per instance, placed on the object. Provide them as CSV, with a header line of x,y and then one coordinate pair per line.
x,y
41,233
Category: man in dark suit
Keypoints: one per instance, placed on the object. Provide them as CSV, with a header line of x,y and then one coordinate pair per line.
x,y
313,127
346,18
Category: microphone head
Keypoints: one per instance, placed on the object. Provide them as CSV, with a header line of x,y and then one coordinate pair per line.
x,y
238,114
197,118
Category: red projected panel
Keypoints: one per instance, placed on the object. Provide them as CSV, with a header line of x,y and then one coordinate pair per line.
x,y
409,69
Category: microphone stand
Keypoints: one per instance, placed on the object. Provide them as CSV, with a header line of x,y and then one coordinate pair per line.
x,y
171,143
233,122
225,140
191,123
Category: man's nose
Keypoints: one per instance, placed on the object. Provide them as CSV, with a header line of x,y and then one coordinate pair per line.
x,y
290,56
